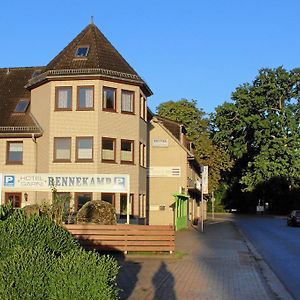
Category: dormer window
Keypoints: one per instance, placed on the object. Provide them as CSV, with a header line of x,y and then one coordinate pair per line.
x,y
82,51
22,106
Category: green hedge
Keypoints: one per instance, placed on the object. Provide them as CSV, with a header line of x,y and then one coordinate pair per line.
x,y
19,230
41,260
90,276
23,275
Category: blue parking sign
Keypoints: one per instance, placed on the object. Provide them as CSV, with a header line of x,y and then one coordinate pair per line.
x,y
9,180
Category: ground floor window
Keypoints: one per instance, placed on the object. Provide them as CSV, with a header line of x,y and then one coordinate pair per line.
x,y
108,197
81,199
14,198
142,205
123,204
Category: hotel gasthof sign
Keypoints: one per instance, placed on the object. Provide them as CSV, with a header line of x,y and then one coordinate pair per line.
x,y
66,182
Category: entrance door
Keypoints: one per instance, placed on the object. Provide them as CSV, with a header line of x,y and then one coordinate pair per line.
x,y
15,198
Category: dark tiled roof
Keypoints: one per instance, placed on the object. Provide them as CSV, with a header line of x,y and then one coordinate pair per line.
x,y
102,59
12,81
175,129
172,126
101,54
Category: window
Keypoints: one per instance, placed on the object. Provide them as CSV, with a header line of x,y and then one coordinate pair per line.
x,y
62,149
142,155
85,99
142,205
127,148
127,101
143,108
123,204
14,198
82,51
22,106
108,150
63,98
84,149
14,153
81,199
109,99
108,197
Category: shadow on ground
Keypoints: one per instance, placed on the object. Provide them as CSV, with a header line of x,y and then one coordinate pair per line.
x,y
128,275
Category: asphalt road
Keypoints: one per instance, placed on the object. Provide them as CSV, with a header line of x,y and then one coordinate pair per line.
x,y
278,244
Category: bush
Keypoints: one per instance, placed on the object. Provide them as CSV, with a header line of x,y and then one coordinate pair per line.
x,y
84,275
41,260
23,275
98,212
6,211
32,209
19,230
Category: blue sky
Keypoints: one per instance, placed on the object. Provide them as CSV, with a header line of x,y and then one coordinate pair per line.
x,y
192,49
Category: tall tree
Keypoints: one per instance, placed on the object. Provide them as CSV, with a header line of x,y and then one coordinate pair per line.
x,y
198,132
260,130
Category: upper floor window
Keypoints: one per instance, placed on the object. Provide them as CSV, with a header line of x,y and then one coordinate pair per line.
x,y
22,106
127,150
108,150
62,149
63,98
109,99
143,108
82,51
84,149
85,100
143,155
127,101
14,153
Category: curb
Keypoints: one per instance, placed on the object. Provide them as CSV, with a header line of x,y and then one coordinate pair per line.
x,y
273,282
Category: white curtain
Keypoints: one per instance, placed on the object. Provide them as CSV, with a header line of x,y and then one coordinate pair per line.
x,y
63,98
127,101
89,93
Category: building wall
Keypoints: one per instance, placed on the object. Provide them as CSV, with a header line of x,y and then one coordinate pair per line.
x,y
28,165
95,123
161,189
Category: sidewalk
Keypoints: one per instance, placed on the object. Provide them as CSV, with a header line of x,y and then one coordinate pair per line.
x,y
218,265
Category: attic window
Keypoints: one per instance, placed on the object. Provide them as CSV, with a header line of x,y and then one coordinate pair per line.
x,y
22,105
82,51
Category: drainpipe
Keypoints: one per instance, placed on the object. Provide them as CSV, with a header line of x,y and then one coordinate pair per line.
x,y
33,138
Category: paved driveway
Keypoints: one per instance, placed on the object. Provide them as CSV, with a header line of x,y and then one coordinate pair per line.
x,y
217,265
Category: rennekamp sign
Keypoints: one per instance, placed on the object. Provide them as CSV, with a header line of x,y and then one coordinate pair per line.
x,y
67,182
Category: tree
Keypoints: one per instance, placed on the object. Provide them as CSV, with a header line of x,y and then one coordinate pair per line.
x,y
260,131
194,120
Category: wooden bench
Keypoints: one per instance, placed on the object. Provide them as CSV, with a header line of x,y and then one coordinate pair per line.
x,y
124,238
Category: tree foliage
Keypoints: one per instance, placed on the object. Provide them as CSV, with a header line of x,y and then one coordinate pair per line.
x,y
198,132
259,129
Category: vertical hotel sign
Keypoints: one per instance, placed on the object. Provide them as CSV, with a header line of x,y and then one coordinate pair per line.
x,y
204,176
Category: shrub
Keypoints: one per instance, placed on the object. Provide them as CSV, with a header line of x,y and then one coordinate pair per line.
x,y
32,209
6,211
41,260
19,230
97,211
23,275
83,275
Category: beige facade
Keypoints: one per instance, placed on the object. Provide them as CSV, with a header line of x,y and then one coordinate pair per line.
x,y
91,108
96,123
173,169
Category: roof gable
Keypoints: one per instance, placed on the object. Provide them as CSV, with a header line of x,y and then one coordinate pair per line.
x,y
101,54
173,129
